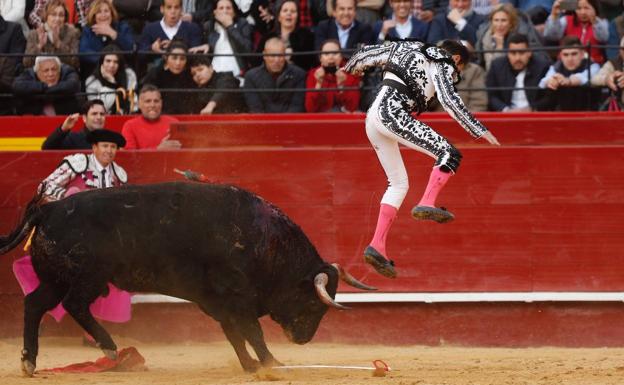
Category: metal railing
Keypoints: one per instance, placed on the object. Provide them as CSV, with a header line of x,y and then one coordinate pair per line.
x,y
140,58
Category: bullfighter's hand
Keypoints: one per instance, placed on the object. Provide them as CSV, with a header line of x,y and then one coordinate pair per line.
x,y
490,138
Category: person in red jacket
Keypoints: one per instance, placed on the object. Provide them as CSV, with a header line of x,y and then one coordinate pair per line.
x,y
330,75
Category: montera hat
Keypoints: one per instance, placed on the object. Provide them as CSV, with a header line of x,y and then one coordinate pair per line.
x,y
104,135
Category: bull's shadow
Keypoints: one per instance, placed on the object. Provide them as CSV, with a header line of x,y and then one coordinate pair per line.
x,y
233,253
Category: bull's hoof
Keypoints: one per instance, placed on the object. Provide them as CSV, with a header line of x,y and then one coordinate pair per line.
x,y
110,354
251,366
271,363
383,266
440,215
28,368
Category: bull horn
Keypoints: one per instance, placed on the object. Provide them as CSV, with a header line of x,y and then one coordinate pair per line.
x,y
320,281
350,280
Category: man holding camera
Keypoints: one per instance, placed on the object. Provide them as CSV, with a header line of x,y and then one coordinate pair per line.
x,y
327,76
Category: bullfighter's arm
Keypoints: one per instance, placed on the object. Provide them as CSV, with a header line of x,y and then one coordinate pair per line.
x,y
368,57
55,185
452,103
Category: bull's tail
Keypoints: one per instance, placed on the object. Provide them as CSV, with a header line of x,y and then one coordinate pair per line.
x,y
30,219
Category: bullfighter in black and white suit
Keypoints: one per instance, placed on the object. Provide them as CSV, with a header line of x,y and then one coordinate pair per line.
x,y
414,73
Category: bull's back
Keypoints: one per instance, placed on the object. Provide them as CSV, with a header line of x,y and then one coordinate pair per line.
x,y
170,232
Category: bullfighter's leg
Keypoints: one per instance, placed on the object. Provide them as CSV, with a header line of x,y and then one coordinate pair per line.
x,y
395,122
36,304
83,292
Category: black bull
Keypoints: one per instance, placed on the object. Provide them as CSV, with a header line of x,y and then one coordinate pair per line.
x,y
232,253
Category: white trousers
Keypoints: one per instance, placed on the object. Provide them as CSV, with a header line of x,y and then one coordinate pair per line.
x,y
389,123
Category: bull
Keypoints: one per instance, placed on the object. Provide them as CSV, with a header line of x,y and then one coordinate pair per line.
x,y
235,255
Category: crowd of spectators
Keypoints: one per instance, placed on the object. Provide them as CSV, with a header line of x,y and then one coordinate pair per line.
x,y
228,56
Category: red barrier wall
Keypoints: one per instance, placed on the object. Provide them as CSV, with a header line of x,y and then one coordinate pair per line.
x,y
529,217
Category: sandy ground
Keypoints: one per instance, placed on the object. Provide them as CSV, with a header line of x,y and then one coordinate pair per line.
x,y
215,363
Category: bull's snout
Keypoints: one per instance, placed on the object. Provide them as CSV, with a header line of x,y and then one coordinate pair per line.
x,y
297,339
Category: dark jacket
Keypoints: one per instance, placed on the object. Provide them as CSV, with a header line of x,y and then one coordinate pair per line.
x,y
227,102
32,95
90,42
286,101
203,11
359,34
442,28
419,31
502,75
302,40
173,102
299,40
66,140
12,40
190,33
239,35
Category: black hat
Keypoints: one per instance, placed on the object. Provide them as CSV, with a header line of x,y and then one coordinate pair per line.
x,y
104,135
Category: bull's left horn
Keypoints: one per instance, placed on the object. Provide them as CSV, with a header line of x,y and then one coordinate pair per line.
x,y
350,280
320,282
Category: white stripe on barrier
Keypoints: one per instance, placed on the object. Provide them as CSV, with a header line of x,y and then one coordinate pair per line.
x,y
544,296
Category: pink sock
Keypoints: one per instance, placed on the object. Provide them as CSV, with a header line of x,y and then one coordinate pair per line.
x,y
437,180
387,214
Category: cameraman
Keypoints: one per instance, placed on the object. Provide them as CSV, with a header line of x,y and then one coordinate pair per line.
x,y
330,75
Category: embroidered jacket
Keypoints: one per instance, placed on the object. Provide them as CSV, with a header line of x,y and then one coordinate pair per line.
x,y
426,70
78,171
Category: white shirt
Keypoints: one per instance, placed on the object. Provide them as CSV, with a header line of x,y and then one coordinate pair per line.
x,y
343,34
98,168
518,96
405,29
170,31
223,46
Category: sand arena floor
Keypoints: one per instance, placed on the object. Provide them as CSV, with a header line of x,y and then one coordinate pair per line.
x,y
215,363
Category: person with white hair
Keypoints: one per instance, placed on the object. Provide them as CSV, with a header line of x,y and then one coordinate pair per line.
x,y
49,88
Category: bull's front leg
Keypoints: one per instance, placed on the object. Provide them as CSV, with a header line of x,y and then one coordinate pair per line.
x,y
252,332
238,343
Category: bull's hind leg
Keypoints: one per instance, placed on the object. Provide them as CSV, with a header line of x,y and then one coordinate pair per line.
x,y
36,304
77,302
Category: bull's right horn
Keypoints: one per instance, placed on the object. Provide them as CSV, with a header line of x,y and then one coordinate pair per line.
x,y
320,282
350,280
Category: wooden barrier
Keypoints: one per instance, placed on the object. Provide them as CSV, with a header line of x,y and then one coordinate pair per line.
x,y
546,217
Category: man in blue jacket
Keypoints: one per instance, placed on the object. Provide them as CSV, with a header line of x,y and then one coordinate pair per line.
x,y
343,27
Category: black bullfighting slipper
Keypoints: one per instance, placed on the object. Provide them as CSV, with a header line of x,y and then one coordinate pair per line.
x,y
383,266
440,215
